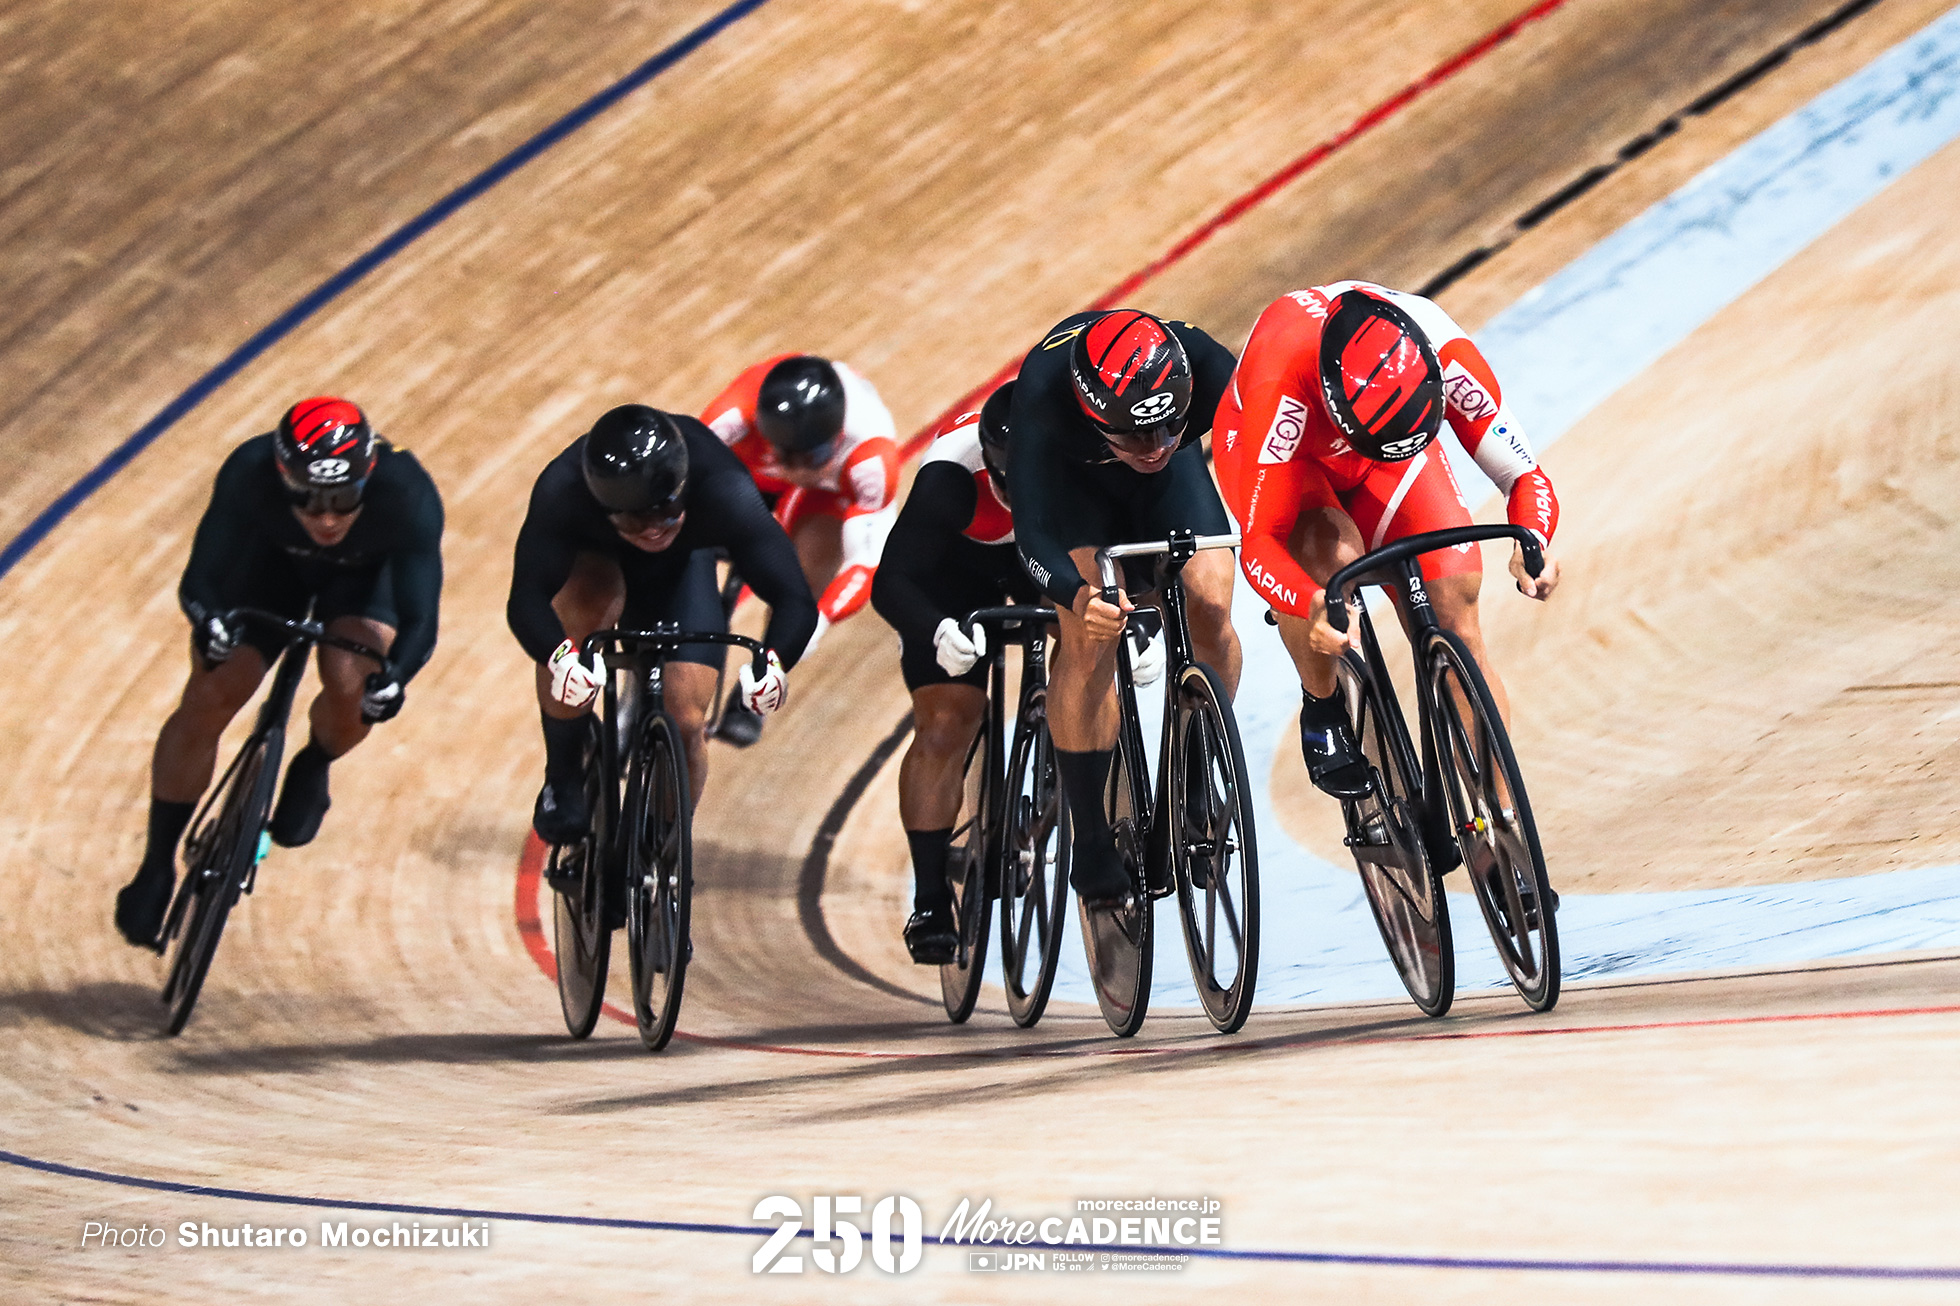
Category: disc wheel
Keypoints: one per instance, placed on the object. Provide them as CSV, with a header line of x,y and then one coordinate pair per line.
x,y
581,941
967,861
1117,939
219,854
659,880
1492,820
1404,890
1212,849
1034,867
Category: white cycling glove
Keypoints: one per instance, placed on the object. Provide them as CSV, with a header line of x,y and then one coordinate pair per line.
x,y
218,639
768,693
572,682
1147,660
955,652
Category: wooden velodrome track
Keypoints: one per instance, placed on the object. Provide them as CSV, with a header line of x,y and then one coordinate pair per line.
x,y
921,189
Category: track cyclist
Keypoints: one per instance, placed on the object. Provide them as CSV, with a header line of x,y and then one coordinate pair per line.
x,y
1106,423
824,452
624,528
319,512
1325,450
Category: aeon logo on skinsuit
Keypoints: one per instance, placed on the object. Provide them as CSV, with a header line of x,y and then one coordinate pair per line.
x,y
322,470
1155,408
1465,393
1289,425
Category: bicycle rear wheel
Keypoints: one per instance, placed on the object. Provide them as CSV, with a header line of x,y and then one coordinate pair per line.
x,y
659,879
1213,849
581,942
1117,940
1033,866
219,854
1405,893
1492,819
968,861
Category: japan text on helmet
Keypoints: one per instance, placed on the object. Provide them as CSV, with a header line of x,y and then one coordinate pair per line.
x,y
326,452
993,436
800,409
635,463
1133,380
1380,378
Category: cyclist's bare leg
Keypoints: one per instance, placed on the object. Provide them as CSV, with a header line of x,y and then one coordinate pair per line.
x,y
819,541
689,692
1082,714
591,598
1208,580
336,711
1324,541
944,721
1455,601
186,751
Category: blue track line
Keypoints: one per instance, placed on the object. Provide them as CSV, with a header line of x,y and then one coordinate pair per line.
x,y
1717,1268
330,289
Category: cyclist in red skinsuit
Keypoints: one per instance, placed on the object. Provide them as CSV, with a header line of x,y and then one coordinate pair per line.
x,y
828,468
1309,501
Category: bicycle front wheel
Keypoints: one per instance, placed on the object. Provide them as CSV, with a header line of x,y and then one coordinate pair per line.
x,y
1117,939
968,858
1492,820
659,879
581,943
218,854
1405,893
1034,867
1212,848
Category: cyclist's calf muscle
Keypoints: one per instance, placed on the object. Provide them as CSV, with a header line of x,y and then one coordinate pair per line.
x,y
945,720
186,753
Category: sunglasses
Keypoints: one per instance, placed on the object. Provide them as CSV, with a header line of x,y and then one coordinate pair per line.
x,y
331,500
1145,441
639,523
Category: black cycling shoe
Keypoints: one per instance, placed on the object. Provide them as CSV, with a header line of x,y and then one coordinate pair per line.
x,y
1100,879
303,800
738,726
560,816
1335,762
931,937
140,907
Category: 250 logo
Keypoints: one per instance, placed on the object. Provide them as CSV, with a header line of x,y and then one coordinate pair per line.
x,y
828,1227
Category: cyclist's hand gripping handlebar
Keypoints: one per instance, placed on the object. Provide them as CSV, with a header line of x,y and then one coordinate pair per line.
x,y
1343,583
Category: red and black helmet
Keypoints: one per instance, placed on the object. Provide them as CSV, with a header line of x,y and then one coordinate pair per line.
x,y
1380,378
326,452
1133,380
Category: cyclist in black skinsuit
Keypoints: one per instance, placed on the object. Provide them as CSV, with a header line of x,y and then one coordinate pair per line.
x,y
1108,414
623,529
319,511
951,551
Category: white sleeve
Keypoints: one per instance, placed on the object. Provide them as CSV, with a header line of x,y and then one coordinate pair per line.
x,y
728,424
864,537
865,414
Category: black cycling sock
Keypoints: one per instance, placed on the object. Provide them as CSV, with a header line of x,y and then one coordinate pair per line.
x,y
1084,777
929,887
167,822
311,758
1323,713
564,749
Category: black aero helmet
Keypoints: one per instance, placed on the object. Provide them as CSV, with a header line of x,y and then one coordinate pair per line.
x,y
801,405
1380,378
993,436
1132,378
636,461
326,452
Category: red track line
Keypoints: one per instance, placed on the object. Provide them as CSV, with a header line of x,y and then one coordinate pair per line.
x,y
1264,191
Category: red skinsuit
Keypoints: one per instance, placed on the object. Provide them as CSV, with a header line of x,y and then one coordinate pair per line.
x,y
1279,454
859,485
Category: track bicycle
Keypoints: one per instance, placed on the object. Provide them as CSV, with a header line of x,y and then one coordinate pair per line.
x,y
1012,843
1461,801
1192,833
228,838
634,865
